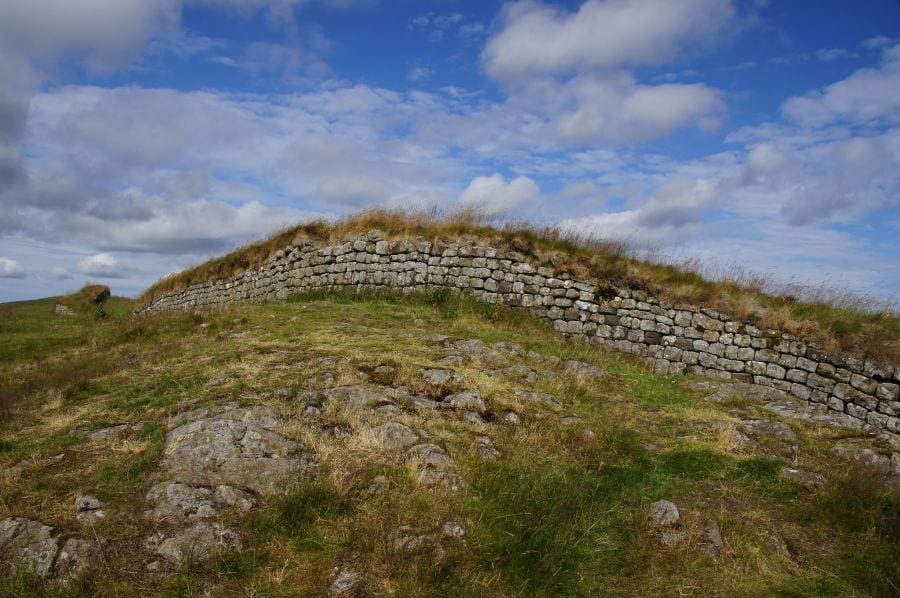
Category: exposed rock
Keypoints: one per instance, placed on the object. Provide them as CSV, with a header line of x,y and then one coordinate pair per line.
x,y
570,420
88,510
451,361
485,354
538,397
312,412
804,478
201,541
510,418
467,400
711,538
173,502
510,348
454,530
436,339
430,455
107,433
405,540
664,520
440,376
357,396
581,368
422,403
866,457
28,544
76,556
61,310
771,436
484,447
346,583
431,478
236,448
663,513
394,435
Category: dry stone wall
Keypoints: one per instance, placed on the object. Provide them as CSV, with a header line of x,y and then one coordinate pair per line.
x,y
677,339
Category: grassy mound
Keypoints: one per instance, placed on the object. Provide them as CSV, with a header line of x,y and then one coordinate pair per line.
x,y
558,513
835,319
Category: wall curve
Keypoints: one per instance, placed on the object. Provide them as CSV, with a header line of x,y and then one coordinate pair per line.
x,y
676,339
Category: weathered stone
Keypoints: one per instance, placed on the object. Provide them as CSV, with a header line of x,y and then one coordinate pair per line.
x,y
804,478
394,435
440,376
356,396
28,544
430,455
581,368
467,400
75,557
864,456
510,418
88,510
202,541
236,448
538,397
173,502
772,436
346,583
711,538
484,447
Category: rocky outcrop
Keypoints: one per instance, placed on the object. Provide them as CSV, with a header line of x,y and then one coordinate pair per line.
x,y
678,339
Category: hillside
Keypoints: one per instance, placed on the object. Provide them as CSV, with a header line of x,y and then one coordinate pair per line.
x,y
423,445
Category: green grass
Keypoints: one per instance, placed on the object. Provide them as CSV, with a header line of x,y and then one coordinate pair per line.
x,y
558,514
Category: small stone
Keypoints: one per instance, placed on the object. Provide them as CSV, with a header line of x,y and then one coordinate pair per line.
x,y
663,513
511,418
107,433
484,447
711,540
201,542
312,412
394,435
346,583
440,376
88,510
581,368
538,397
430,455
451,361
61,310
804,478
76,556
454,530
431,478
510,348
467,400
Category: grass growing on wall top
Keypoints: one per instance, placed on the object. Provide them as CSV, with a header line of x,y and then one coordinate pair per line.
x,y
834,318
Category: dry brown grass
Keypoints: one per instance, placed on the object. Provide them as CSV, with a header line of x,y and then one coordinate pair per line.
x,y
834,317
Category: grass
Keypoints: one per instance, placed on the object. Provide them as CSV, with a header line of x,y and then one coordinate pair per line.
x,y
558,514
831,316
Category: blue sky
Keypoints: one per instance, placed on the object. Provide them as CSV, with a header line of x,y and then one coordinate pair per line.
x,y
138,137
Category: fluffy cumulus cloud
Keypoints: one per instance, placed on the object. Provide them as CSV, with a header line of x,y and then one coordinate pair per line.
x,y
102,265
573,70
493,196
10,268
539,39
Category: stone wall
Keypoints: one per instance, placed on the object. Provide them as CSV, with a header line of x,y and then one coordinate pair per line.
x,y
678,339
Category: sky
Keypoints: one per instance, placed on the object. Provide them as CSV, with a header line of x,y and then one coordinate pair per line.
x,y
139,137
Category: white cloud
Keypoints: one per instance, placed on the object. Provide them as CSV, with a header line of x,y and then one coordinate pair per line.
x,y
102,265
110,31
867,96
493,196
620,110
537,39
10,268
